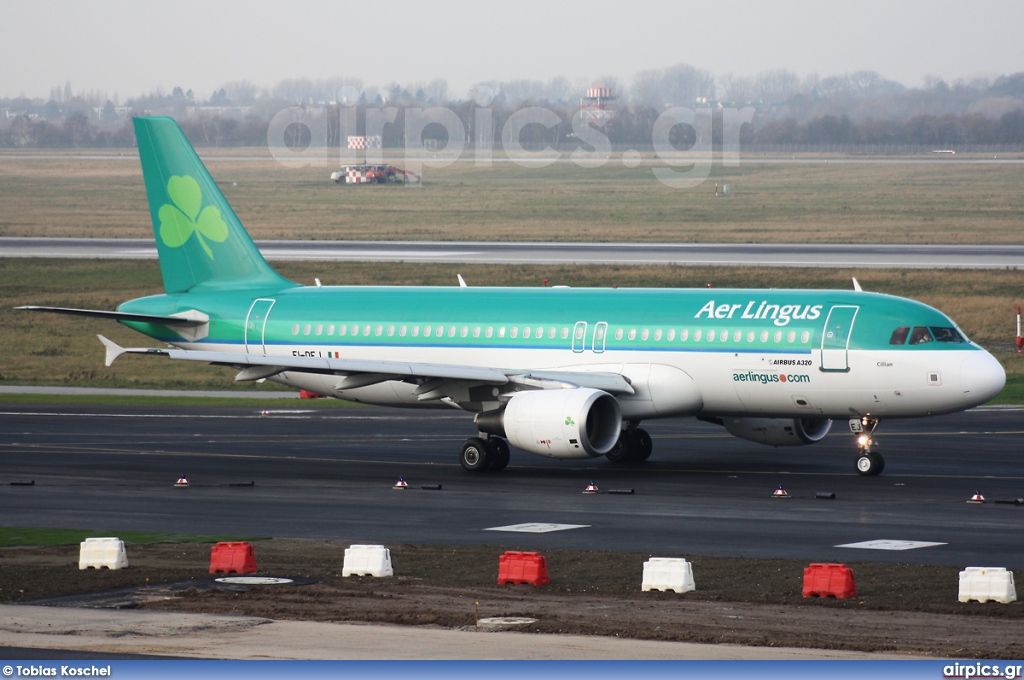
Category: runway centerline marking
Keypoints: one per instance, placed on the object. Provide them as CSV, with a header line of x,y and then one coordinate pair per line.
x,y
889,544
537,527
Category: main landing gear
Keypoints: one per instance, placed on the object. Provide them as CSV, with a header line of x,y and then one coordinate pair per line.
x,y
869,461
480,454
634,446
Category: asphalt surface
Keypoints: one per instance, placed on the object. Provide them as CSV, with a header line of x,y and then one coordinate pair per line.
x,y
718,254
328,474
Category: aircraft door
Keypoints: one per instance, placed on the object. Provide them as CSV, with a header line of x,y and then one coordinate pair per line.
x,y
256,326
835,338
579,337
600,335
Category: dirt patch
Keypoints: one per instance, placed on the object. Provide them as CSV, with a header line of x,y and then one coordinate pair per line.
x,y
899,608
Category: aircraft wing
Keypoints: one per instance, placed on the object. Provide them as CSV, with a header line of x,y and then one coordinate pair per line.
x,y
361,372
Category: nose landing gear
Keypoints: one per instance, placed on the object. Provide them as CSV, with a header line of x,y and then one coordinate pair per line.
x,y
869,461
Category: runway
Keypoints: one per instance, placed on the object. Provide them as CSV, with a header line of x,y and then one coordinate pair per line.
x,y
328,473
681,254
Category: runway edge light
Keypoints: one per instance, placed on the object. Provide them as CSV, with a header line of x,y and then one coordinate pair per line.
x,y
401,484
780,493
591,488
977,498
182,481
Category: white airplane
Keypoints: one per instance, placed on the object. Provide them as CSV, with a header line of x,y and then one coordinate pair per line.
x,y
560,372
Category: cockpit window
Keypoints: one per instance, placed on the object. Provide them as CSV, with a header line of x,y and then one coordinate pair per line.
x,y
899,336
920,336
947,334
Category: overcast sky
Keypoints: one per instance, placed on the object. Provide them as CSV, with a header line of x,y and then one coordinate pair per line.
x,y
131,47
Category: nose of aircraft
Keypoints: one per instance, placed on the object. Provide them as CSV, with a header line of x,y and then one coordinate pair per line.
x,y
982,377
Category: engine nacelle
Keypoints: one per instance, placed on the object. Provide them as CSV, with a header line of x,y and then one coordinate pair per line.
x,y
569,423
779,431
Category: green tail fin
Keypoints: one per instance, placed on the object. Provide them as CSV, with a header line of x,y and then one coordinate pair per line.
x,y
200,241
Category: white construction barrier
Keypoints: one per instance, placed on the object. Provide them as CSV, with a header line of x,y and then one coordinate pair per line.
x,y
987,583
367,560
102,553
668,573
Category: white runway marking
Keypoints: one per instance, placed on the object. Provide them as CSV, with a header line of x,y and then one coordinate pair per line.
x,y
886,544
537,527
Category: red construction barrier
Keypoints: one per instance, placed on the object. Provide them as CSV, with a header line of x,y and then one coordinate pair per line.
x,y
829,580
232,558
522,567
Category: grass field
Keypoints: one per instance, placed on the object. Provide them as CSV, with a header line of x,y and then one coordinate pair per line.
x,y
49,349
939,202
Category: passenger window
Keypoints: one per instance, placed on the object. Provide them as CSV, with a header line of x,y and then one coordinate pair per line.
x,y
319,329
899,336
526,332
618,334
671,334
514,332
632,334
551,333
711,336
426,331
476,331
657,335
465,331
684,335
305,331
380,329
947,334
403,330
501,332
415,331
489,332
330,329
764,336
295,329
737,336
805,337
778,337
750,336
696,335
645,334
391,331
791,337
920,336
565,333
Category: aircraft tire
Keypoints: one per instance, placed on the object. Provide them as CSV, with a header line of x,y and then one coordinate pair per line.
x,y
870,464
644,445
501,454
623,451
475,455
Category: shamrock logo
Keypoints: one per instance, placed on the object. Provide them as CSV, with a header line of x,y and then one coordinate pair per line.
x,y
179,221
569,420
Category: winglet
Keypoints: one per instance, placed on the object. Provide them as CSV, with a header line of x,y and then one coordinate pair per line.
x,y
462,281
114,350
856,285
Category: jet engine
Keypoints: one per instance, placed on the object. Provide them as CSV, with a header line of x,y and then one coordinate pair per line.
x,y
568,423
779,431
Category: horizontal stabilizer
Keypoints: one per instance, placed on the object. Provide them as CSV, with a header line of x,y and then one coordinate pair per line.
x,y
121,316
